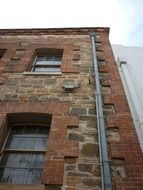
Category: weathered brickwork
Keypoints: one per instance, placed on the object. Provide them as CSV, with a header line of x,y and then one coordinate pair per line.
x,y
72,159
57,138
125,153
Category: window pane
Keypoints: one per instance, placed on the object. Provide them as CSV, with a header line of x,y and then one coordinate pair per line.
x,y
19,170
42,131
49,58
54,69
37,161
7,176
40,63
56,62
13,143
21,166
34,176
40,143
29,131
27,143
10,160
47,69
49,62
39,69
1,173
57,58
4,160
21,176
16,131
40,58
20,143
15,176
25,160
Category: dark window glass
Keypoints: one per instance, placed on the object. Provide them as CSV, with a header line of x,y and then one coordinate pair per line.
x,y
42,132
22,161
16,131
30,131
2,52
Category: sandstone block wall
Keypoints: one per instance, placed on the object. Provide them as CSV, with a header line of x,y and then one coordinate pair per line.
x,y
75,164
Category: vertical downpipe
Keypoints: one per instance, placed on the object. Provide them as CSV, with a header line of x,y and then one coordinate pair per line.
x,y
105,170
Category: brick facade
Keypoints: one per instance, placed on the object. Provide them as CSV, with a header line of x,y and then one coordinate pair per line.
x,y
72,158
58,146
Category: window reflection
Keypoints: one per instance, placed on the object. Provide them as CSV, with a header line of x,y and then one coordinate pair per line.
x,y
22,162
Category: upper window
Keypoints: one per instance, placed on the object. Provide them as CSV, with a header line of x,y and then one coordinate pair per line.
x,y
23,154
2,51
47,61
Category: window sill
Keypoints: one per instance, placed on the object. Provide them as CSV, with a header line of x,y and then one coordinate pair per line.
x,y
21,187
42,73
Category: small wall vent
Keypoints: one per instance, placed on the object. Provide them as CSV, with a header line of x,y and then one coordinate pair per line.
x,y
70,86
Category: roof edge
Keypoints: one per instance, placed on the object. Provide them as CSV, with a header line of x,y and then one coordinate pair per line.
x,y
65,31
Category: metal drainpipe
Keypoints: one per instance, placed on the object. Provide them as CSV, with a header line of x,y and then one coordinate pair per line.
x,y
105,170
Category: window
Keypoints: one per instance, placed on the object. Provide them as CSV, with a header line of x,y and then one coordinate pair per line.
x,y
23,154
2,51
47,61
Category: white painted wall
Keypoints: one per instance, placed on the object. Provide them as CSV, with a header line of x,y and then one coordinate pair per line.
x,y
131,72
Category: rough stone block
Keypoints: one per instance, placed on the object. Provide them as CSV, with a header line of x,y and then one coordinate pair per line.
x,y
73,181
106,90
109,109
12,81
90,182
69,160
51,81
76,174
90,150
79,111
92,111
99,47
118,168
98,39
96,172
52,187
70,167
10,97
85,167
100,56
76,137
113,135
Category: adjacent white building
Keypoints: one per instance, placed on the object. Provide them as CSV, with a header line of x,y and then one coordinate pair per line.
x,y
130,64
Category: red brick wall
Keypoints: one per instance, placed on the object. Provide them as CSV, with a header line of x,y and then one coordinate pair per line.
x,y
26,61
128,148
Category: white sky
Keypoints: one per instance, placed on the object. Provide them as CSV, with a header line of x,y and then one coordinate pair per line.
x,y
124,17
